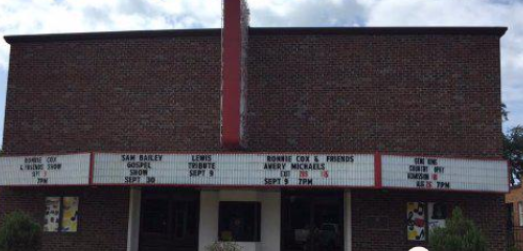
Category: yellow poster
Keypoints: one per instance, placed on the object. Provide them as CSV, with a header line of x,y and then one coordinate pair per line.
x,y
70,214
416,223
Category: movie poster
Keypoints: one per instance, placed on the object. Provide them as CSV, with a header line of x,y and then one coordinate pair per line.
x,y
52,214
437,215
70,214
416,224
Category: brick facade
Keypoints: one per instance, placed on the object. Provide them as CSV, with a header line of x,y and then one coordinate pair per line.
x,y
434,94
431,94
102,221
486,210
156,94
317,90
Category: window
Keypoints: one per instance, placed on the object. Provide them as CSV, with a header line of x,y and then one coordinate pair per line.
x,y
520,213
239,221
61,214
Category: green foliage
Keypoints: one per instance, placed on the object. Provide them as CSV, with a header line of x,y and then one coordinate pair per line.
x,y
513,152
513,249
460,234
19,232
224,246
504,112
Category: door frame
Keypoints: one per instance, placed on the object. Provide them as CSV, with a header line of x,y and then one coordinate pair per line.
x,y
170,195
338,196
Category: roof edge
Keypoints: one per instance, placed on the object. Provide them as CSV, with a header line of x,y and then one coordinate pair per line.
x,y
54,37
443,30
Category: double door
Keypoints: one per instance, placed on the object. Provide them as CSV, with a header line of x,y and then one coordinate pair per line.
x,y
312,221
169,220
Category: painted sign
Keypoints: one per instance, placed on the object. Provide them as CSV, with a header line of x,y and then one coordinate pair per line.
x,y
444,173
416,223
235,169
45,170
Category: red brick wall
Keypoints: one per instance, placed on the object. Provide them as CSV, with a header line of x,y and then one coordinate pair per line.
x,y
431,94
103,216
486,210
157,94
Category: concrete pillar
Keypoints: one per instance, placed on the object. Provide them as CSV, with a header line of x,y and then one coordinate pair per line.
x,y
347,217
133,226
271,221
208,229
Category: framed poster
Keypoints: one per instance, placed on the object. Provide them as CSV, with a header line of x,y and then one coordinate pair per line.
x,y
61,214
52,214
416,223
70,214
437,215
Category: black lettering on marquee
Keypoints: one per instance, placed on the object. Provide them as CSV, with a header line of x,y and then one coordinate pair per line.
x,y
432,162
197,173
274,181
201,166
42,181
308,166
341,158
132,180
201,158
278,158
305,182
151,180
439,169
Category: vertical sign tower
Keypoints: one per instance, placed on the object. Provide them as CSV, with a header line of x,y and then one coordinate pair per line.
x,y
234,73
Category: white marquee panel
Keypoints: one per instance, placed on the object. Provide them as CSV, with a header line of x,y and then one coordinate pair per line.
x,y
444,173
235,169
45,170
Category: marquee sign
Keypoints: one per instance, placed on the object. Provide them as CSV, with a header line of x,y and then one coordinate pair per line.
x,y
444,173
236,169
257,169
45,170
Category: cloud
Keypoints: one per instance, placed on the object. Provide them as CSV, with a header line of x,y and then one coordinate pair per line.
x,y
277,13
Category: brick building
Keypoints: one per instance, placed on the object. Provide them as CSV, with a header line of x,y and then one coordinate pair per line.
x,y
276,138
514,200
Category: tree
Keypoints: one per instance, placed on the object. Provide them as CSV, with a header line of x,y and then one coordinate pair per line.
x,y
504,112
460,234
513,152
19,232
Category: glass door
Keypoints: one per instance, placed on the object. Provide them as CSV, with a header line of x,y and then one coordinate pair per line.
x,y
312,221
170,220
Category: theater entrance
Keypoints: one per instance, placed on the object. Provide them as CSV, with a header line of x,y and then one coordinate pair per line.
x,y
169,220
312,221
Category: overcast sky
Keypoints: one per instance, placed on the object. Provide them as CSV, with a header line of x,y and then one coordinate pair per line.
x,y
52,16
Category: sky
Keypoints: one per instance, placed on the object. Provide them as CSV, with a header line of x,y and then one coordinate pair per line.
x,y
57,16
